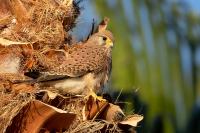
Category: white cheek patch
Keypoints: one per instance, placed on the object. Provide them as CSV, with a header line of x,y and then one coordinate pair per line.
x,y
101,41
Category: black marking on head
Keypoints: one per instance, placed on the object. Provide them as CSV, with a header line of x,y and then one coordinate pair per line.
x,y
104,38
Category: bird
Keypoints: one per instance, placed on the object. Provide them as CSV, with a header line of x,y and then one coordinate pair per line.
x,y
82,69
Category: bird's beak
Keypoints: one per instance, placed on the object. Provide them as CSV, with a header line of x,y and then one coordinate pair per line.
x,y
109,43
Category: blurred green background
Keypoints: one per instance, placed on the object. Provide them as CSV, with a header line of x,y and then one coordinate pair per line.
x,y
156,59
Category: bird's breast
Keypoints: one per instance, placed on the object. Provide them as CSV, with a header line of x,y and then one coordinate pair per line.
x,y
77,85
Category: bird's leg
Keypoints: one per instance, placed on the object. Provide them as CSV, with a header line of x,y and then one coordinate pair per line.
x,y
91,85
93,95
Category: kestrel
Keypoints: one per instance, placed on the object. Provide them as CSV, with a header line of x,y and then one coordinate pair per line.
x,y
81,69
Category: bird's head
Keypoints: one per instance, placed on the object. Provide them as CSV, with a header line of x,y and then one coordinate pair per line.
x,y
103,38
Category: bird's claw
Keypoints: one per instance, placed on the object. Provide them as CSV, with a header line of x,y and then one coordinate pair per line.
x,y
94,97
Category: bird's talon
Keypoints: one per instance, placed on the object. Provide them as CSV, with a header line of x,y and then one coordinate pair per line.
x,y
94,97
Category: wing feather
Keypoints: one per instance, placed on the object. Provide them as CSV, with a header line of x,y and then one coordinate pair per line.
x,y
82,60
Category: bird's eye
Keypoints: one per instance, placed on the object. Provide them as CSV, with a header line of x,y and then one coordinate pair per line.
x,y
104,38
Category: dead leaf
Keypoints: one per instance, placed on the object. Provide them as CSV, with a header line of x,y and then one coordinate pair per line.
x,y
132,120
14,59
6,42
54,99
5,21
37,116
93,108
112,113
23,88
29,64
19,11
14,78
4,8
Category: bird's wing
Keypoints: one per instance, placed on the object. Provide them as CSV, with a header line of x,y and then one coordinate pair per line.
x,y
82,60
77,61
